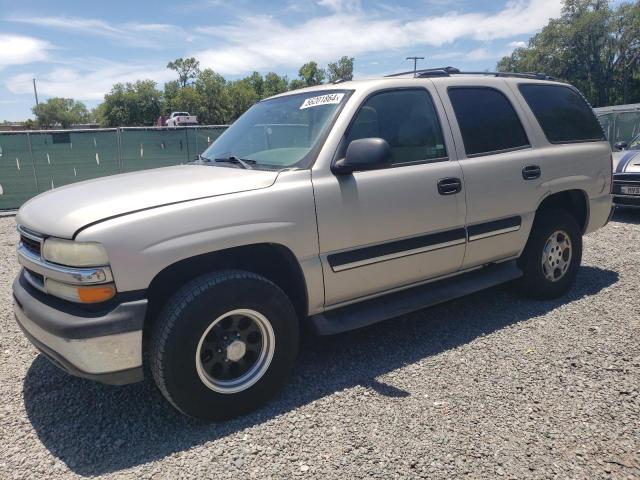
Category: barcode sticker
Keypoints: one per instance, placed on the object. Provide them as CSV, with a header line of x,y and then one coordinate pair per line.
x,y
322,100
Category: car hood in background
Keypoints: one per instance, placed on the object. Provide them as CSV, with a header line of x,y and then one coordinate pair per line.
x,y
63,211
626,162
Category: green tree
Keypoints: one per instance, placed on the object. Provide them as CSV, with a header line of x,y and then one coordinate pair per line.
x,y
241,97
341,70
310,74
171,91
127,104
593,46
187,69
188,100
211,87
60,111
274,84
256,82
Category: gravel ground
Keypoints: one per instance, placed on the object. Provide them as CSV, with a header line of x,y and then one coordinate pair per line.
x,y
492,385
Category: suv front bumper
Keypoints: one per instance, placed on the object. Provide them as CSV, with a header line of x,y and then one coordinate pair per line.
x,y
105,346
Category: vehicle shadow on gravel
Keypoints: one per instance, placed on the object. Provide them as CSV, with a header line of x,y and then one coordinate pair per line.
x,y
97,429
627,215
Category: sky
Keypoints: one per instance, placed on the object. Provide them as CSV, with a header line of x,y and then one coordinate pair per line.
x,y
80,49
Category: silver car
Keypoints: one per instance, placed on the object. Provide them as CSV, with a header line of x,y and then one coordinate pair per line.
x,y
626,174
332,208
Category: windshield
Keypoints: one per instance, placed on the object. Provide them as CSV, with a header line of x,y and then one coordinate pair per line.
x,y
635,144
280,132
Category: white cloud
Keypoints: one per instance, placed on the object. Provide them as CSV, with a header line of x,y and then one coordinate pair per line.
x,y
479,54
340,5
261,42
19,50
88,83
519,44
142,35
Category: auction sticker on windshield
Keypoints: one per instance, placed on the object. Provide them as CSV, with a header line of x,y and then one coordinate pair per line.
x,y
322,100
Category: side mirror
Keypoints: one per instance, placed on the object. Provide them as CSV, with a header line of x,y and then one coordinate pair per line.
x,y
364,154
620,145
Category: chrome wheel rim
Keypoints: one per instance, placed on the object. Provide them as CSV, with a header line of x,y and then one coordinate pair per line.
x,y
235,351
556,256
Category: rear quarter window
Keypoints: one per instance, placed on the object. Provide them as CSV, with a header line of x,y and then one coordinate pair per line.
x,y
563,113
487,120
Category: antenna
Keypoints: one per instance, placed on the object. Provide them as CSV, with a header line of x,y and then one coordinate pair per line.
x,y
415,63
35,92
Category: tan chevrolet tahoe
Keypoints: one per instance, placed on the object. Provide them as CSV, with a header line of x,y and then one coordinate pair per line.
x,y
331,208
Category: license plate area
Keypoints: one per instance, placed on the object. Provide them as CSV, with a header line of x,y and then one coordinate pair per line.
x,y
630,190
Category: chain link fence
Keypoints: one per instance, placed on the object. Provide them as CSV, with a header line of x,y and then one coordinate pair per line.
x,y
36,161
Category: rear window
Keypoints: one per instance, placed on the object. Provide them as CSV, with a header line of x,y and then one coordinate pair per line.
x,y
563,114
488,122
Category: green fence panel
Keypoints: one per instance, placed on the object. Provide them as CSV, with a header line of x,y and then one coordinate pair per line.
x,y
200,138
143,149
66,157
38,161
17,179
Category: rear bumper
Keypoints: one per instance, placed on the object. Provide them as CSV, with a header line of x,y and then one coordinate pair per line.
x,y
105,346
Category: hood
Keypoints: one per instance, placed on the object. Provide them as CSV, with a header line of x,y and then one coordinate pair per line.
x,y
626,162
61,212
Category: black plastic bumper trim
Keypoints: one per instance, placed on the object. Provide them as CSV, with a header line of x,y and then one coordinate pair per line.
x,y
72,323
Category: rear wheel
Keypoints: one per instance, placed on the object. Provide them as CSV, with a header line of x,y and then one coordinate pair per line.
x,y
552,256
223,344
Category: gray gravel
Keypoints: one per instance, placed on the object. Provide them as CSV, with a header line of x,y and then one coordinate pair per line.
x,y
489,386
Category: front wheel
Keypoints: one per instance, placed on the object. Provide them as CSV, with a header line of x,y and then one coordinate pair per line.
x,y
552,256
223,344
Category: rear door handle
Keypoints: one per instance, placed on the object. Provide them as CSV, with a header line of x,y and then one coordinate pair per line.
x,y
531,172
449,186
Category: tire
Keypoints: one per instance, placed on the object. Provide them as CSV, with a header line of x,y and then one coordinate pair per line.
x,y
212,311
537,280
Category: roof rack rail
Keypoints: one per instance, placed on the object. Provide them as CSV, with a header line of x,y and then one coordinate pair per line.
x,y
448,71
440,71
533,75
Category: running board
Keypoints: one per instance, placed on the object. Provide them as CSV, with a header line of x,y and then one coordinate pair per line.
x,y
406,301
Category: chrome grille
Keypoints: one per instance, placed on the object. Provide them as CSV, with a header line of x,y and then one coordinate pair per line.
x,y
31,241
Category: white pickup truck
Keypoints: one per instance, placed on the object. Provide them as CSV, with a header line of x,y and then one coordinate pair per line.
x,y
177,119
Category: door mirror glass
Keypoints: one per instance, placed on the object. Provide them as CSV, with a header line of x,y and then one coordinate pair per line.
x,y
620,146
364,154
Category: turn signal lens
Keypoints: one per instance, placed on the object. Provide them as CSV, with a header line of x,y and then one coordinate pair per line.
x,y
81,294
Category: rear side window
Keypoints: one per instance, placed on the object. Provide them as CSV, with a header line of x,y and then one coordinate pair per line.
x,y
488,122
563,114
407,120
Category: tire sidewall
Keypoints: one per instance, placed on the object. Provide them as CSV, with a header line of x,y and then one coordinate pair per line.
x,y
543,227
188,392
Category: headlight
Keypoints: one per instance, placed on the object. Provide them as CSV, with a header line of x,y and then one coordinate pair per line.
x,y
80,294
74,254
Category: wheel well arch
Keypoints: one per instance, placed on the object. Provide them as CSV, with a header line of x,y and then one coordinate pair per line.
x,y
273,261
573,201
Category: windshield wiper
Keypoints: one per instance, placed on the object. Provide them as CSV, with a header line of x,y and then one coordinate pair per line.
x,y
245,162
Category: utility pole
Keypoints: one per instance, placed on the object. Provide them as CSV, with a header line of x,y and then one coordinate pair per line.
x,y
415,63
35,92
